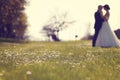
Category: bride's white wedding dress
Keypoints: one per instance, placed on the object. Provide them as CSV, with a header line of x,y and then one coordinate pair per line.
x,y
106,37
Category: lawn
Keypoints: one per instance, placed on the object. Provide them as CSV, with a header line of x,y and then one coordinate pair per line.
x,y
73,60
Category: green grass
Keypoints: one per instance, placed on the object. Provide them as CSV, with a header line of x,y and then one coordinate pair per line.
x,y
73,60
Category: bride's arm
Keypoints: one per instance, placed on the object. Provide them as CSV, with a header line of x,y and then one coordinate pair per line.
x,y
101,13
106,16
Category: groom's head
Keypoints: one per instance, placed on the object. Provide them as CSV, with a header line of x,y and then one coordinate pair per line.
x,y
100,7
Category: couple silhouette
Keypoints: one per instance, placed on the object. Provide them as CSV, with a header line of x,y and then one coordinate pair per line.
x,y
104,36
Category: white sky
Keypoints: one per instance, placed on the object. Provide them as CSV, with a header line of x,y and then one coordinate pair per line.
x,y
39,12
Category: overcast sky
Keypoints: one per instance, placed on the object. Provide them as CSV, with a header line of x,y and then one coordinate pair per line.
x,y
82,11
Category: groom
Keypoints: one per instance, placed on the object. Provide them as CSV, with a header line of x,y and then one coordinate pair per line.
x,y
98,23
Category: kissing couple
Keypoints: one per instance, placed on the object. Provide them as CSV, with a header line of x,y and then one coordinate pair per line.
x,y
104,36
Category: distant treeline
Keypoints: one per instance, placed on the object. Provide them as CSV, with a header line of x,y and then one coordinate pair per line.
x,y
13,20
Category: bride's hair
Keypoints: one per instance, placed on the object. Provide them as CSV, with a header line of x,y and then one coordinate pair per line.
x,y
107,7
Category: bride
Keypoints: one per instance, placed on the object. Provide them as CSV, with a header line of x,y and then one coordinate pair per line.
x,y
107,38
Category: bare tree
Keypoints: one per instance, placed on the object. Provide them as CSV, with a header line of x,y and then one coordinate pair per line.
x,y
56,24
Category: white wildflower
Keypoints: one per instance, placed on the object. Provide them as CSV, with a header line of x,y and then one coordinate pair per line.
x,y
28,73
1,74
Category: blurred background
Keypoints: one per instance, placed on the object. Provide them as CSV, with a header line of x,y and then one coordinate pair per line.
x,y
53,20
40,12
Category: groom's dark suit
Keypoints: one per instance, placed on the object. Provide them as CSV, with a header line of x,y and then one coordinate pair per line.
x,y
97,26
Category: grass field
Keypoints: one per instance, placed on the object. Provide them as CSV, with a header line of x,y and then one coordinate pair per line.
x,y
73,60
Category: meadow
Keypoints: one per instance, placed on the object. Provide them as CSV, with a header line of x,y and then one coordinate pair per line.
x,y
72,60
